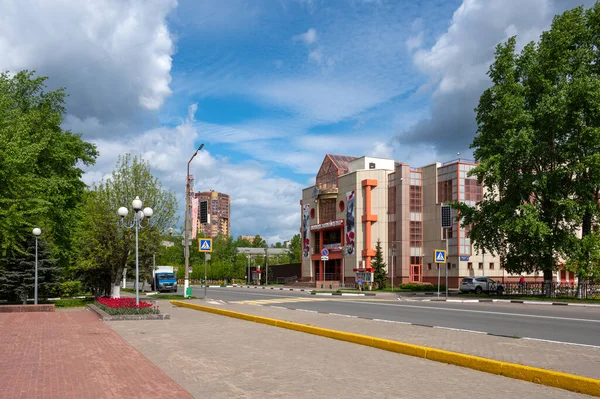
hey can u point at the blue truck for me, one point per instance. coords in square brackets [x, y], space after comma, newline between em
[164, 279]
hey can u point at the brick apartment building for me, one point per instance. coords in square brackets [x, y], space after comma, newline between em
[358, 200]
[219, 205]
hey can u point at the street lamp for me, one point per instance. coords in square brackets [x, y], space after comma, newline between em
[139, 215]
[36, 233]
[186, 248]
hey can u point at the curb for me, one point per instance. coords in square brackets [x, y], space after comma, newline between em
[108, 317]
[522, 302]
[570, 382]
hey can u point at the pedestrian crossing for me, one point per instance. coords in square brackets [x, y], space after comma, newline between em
[279, 300]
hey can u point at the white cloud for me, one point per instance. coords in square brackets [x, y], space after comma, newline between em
[308, 37]
[414, 42]
[456, 66]
[261, 203]
[114, 57]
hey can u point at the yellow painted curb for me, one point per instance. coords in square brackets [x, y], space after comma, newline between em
[570, 382]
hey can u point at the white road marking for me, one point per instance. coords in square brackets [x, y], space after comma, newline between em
[343, 315]
[479, 311]
[393, 321]
[561, 342]
[459, 329]
[307, 311]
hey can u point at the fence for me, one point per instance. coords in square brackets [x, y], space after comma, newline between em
[554, 290]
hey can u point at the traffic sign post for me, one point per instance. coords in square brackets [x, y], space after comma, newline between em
[324, 259]
[439, 257]
[205, 245]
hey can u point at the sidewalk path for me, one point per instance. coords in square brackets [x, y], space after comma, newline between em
[74, 355]
[572, 359]
[220, 357]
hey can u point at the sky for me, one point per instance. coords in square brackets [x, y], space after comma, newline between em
[268, 86]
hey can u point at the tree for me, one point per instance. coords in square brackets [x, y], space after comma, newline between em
[538, 148]
[380, 267]
[295, 247]
[104, 247]
[258, 242]
[40, 166]
[17, 280]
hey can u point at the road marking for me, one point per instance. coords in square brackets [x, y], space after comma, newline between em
[460, 329]
[561, 342]
[280, 300]
[481, 311]
[393, 321]
[343, 315]
[306, 310]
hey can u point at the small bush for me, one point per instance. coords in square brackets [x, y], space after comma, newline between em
[69, 289]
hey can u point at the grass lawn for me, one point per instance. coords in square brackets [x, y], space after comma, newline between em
[72, 303]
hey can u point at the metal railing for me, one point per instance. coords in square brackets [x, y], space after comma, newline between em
[328, 277]
[553, 289]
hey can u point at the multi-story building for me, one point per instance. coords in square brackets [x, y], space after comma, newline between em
[359, 201]
[249, 238]
[219, 211]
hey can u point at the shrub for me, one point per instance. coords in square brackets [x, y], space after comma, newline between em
[69, 288]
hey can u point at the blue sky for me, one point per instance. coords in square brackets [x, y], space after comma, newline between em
[269, 86]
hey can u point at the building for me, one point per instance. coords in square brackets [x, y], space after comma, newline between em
[249, 238]
[219, 211]
[359, 200]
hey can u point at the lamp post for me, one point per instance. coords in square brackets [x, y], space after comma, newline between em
[186, 248]
[36, 233]
[139, 215]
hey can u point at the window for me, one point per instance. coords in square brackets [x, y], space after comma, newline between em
[453, 266]
[480, 266]
[429, 266]
[470, 265]
[312, 213]
[341, 206]
[491, 266]
[371, 165]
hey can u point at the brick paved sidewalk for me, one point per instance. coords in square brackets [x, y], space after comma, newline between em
[578, 360]
[74, 355]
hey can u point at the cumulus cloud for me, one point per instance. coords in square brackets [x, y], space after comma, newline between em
[456, 66]
[113, 56]
[261, 203]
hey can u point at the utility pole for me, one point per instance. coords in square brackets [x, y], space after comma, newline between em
[187, 225]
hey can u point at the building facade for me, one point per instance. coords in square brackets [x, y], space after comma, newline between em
[219, 209]
[357, 201]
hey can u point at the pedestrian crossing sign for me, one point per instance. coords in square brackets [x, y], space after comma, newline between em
[439, 256]
[205, 245]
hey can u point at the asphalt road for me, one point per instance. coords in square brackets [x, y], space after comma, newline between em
[577, 325]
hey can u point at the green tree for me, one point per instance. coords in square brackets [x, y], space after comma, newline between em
[295, 247]
[40, 166]
[258, 242]
[105, 248]
[538, 148]
[17, 279]
[379, 265]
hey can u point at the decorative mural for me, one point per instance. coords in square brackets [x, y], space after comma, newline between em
[305, 231]
[350, 214]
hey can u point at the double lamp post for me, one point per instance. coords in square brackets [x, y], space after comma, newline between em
[139, 216]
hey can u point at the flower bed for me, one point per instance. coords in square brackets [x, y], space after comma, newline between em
[124, 306]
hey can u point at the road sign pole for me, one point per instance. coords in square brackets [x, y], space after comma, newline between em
[446, 264]
[205, 281]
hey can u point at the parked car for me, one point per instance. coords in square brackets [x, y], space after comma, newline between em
[481, 284]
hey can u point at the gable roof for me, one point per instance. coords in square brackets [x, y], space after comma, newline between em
[341, 162]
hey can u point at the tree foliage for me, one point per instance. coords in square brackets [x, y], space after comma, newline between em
[105, 248]
[538, 148]
[40, 174]
[379, 265]
[17, 277]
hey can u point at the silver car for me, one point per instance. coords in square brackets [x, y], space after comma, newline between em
[481, 284]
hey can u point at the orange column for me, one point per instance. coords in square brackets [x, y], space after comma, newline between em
[368, 218]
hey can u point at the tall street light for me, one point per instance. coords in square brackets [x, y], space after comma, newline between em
[139, 215]
[36, 233]
[186, 248]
